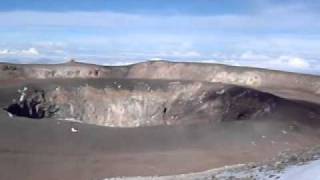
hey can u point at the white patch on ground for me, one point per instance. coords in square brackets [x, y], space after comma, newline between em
[10, 115]
[22, 93]
[69, 119]
[220, 92]
[74, 130]
[188, 176]
[310, 171]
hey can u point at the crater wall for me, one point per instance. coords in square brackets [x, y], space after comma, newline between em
[243, 76]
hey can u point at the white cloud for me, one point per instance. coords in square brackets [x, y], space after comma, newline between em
[156, 59]
[30, 51]
[272, 61]
[119, 63]
[298, 62]
[4, 52]
[179, 54]
[253, 56]
[192, 54]
[20, 53]
[290, 62]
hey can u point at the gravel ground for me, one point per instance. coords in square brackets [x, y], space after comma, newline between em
[285, 166]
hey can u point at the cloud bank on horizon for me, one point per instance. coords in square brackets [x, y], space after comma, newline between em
[273, 34]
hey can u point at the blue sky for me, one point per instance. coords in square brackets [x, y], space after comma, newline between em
[272, 34]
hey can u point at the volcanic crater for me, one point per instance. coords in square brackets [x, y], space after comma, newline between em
[151, 118]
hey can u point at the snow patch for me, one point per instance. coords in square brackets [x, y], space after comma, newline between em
[310, 171]
[74, 130]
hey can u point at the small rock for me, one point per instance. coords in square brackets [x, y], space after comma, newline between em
[271, 176]
[293, 158]
[279, 165]
[252, 165]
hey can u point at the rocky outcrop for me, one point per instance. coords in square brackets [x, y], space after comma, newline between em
[32, 104]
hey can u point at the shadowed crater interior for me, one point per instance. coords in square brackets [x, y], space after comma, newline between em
[118, 104]
[32, 105]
